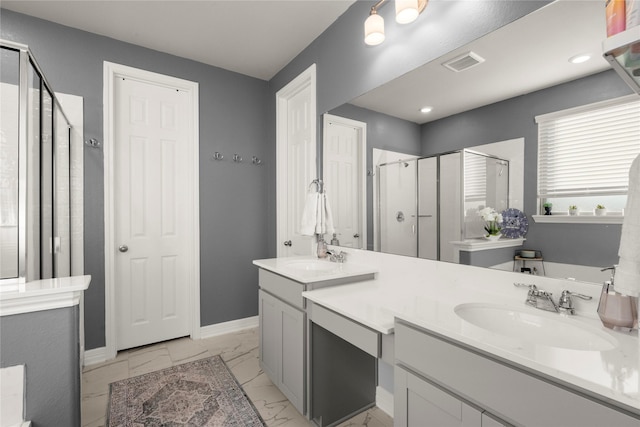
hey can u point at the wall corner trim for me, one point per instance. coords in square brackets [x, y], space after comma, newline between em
[228, 327]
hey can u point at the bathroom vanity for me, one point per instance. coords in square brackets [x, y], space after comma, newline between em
[284, 314]
[464, 349]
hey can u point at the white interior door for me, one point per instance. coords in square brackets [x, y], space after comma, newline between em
[296, 160]
[152, 212]
[343, 167]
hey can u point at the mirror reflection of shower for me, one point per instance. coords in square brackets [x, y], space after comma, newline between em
[425, 204]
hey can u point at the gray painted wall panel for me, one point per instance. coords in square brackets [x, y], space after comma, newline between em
[47, 343]
[580, 244]
[232, 196]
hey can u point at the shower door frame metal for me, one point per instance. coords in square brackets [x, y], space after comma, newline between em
[26, 58]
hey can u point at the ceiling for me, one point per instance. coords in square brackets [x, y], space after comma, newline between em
[527, 55]
[256, 38]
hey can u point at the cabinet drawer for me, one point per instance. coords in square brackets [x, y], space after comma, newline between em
[286, 289]
[362, 337]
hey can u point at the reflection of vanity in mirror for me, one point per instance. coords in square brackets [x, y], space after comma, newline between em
[492, 102]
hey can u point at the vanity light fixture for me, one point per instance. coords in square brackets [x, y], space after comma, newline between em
[374, 28]
[580, 58]
[426, 110]
[406, 11]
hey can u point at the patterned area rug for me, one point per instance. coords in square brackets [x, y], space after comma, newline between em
[195, 394]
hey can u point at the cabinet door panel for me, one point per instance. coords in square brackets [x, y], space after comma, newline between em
[270, 335]
[292, 366]
[427, 405]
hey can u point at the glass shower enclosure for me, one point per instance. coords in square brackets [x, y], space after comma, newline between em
[35, 219]
[427, 203]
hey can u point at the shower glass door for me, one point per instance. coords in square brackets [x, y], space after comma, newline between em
[398, 211]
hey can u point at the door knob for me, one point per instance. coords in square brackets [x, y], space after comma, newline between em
[287, 243]
[123, 248]
[356, 235]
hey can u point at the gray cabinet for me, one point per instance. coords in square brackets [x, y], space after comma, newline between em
[501, 390]
[283, 331]
[419, 403]
[282, 337]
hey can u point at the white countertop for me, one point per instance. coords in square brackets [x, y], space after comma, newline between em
[44, 294]
[425, 293]
[308, 269]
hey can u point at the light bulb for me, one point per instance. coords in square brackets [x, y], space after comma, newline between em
[374, 29]
[406, 11]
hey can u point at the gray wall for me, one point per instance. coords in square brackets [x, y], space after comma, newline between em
[233, 225]
[580, 244]
[47, 343]
[386, 133]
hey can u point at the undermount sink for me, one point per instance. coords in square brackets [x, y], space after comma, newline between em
[312, 265]
[544, 329]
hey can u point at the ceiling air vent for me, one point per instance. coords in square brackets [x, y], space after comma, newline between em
[464, 62]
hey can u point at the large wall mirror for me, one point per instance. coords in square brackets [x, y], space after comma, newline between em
[471, 92]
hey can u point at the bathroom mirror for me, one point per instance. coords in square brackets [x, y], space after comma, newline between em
[511, 62]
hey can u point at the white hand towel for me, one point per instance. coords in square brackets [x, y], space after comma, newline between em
[627, 279]
[328, 216]
[310, 214]
[320, 214]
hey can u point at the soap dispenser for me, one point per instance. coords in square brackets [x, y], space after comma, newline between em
[615, 309]
[334, 240]
[322, 248]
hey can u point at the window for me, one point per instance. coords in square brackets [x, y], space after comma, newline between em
[584, 155]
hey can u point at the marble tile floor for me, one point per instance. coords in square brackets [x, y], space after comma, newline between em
[239, 350]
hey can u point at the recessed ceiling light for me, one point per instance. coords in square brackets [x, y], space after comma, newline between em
[579, 59]
[426, 109]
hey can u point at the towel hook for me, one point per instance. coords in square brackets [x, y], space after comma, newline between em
[217, 156]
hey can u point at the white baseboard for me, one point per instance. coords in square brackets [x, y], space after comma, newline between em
[95, 355]
[99, 355]
[384, 400]
[228, 327]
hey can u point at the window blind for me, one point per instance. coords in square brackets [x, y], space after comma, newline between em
[475, 177]
[588, 150]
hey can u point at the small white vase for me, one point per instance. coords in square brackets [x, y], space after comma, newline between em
[492, 237]
[601, 212]
[573, 212]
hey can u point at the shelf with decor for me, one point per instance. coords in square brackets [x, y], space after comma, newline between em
[622, 51]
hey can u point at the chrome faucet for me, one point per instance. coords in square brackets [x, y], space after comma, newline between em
[566, 304]
[543, 300]
[337, 257]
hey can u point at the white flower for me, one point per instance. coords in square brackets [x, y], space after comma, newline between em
[490, 214]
